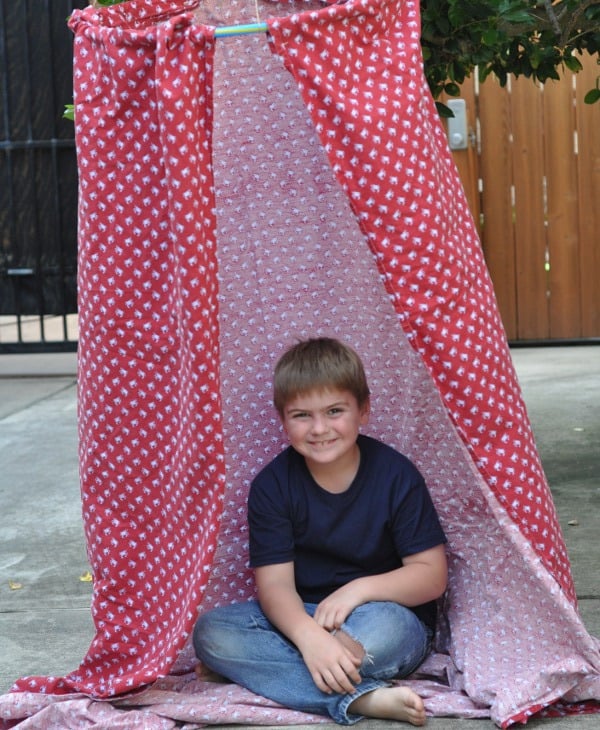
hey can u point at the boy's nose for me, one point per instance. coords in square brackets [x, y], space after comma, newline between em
[319, 424]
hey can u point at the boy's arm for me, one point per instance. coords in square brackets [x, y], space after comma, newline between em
[332, 666]
[422, 578]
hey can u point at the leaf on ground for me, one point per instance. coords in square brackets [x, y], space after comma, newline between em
[14, 585]
[86, 577]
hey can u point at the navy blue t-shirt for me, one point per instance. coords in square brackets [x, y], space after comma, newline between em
[383, 516]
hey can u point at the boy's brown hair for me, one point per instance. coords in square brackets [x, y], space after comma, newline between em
[317, 364]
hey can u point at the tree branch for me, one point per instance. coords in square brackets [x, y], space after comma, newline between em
[557, 18]
[574, 20]
[552, 18]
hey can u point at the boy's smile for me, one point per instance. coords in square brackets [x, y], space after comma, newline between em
[322, 426]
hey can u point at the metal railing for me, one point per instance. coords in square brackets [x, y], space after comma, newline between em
[38, 179]
[38, 333]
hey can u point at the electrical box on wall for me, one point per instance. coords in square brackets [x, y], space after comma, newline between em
[457, 125]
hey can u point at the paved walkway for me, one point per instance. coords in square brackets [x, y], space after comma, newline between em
[45, 624]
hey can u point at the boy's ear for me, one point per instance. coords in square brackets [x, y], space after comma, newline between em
[365, 412]
[281, 421]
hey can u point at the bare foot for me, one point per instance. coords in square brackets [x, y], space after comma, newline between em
[391, 703]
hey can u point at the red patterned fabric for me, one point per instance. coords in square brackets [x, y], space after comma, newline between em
[236, 194]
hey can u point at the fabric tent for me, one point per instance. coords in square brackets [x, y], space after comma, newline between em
[237, 193]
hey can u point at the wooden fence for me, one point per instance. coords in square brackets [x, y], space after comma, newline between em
[532, 177]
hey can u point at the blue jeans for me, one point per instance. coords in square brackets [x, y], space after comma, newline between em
[239, 642]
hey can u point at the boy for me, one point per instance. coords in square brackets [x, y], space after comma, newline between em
[348, 555]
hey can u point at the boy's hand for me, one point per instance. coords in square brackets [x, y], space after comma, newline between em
[335, 609]
[332, 664]
[333, 667]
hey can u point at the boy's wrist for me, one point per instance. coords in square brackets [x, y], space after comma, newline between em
[306, 632]
[361, 591]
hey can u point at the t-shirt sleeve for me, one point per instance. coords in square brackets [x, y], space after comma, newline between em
[269, 521]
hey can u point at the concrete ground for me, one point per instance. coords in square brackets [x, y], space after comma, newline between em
[45, 624]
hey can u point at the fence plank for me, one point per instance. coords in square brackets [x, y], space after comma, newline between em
[562, 212]
[498, 236]
[528, 180]
[588, 125]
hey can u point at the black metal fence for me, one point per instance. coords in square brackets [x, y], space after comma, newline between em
[38, 178]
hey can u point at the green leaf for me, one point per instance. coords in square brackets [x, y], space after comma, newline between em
[513, 11]
[484, 72]
[452, 89]
[592, 96]
[520, 17]
[551, 73]
[535, 59]
[443, 25]
[572, 63]
[490, 37]
[69, 112]
[444, 111]
[456, 15]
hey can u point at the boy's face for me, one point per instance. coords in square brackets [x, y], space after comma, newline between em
[323, 425]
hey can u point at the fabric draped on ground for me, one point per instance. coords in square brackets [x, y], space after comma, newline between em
[235, 195]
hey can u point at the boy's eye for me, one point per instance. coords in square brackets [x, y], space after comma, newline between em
[300, 415]
[335, 411]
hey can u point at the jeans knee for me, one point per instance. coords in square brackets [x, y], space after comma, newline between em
[226, 633]
[394, 639]
[208, 635]
[200, 631]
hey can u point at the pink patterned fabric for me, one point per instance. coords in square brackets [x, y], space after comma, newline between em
[236, 194]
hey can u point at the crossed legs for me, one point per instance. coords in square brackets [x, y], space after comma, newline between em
[241, 644]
